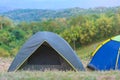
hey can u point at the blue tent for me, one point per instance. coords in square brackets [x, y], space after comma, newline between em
[107, 55]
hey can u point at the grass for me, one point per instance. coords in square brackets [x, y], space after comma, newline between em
[84, 53]
[58, 75]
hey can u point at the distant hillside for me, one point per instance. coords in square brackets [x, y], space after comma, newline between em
[39, 14]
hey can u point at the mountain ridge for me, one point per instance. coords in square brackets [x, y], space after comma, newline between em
[39, 14]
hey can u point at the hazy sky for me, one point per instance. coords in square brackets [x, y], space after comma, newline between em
[58, 4]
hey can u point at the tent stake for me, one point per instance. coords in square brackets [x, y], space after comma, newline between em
[118, 55]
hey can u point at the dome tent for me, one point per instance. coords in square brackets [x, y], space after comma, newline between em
[107, 55]
[46, 50]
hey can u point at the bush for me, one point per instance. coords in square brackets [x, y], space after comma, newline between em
[4, 53]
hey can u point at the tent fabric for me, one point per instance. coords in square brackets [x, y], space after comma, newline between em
[105, 56]
[116, 38]
[45, 58]
[100, 46]
[44, 55]
[56, 42]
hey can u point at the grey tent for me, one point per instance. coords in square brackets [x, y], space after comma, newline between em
[46, 50]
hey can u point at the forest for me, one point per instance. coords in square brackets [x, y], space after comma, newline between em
[79, 30]
[29, 15]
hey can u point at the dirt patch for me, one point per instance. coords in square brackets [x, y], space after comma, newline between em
[85, 63]
[4, 64]
[106, 78]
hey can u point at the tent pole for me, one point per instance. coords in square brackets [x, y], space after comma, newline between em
[74, 45]
[118, 55]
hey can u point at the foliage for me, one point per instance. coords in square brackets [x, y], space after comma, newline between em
[29, 15]
[77, 31]
[4, 53]
[85, 30]
[5, 22]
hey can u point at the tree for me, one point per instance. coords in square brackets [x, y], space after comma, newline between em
[104, 26]
[5, 22]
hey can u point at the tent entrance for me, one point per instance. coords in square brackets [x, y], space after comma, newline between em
[45, 58]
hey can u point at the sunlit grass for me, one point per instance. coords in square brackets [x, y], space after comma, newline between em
[60, 75]
[86, 51]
